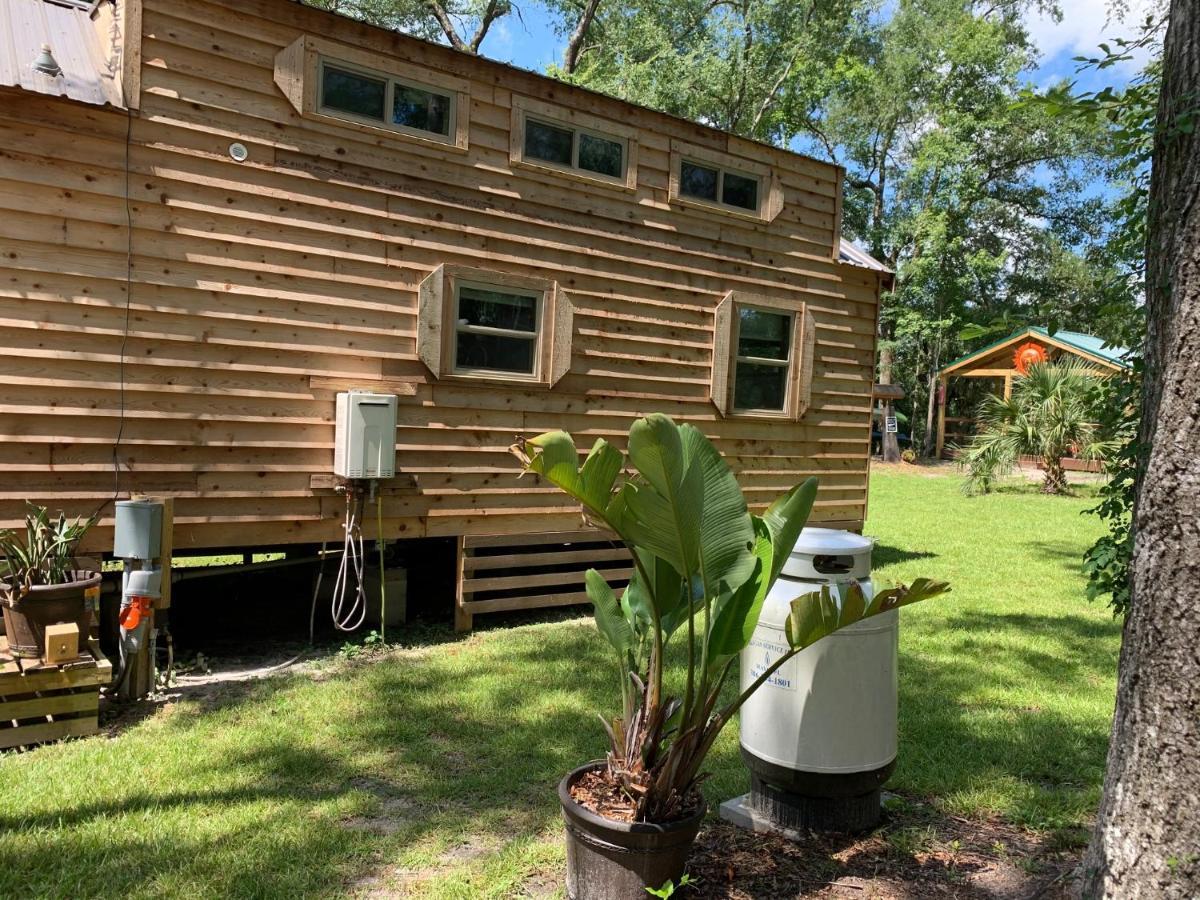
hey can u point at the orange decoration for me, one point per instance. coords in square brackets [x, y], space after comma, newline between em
[1028, 354]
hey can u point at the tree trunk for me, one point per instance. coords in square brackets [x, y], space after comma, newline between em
[889, 443]
[1055, 480]
[1147, 837]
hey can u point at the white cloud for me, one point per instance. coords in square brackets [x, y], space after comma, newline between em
[1085, 25]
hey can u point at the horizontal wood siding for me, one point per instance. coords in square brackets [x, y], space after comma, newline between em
[260, 289]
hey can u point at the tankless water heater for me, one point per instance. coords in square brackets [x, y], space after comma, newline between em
[365, 435]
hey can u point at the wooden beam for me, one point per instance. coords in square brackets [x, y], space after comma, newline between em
[462, 615]
[943, 387]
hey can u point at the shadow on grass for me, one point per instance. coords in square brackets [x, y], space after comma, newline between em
[963, 728]
[886, 555]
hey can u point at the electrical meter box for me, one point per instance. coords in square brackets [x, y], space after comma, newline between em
[365, 438]
[137, 530]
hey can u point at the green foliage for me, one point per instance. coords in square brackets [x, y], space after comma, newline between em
[669, 888]
[1051, 414]
[45, 553]
[699, 554]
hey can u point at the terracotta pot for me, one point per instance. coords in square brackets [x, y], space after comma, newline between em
[25, 620]
[609, 860]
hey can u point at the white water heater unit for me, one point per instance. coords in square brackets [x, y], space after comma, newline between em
[365, 435]
[819, 736]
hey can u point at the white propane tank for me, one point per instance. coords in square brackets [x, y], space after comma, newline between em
[819, 736]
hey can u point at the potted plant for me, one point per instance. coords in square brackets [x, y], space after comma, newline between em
[703, 565]
[42, 584]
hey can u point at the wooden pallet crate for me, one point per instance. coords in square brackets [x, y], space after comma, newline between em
[533, 571]
[40, 702]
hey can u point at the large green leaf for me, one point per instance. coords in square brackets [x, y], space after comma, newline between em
[785, 519]
[820, 613]
[735, 616]
[665, 591]
[687, 507]
[610, 620]
[553, 456]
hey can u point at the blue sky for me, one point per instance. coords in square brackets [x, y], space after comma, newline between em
[530, 40]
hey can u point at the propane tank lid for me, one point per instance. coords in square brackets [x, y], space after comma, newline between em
[829, 554]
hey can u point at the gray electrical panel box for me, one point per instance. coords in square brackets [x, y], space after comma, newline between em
[365, 436]
[137, 532]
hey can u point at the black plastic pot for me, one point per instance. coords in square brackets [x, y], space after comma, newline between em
[609, 860]
[25, 620]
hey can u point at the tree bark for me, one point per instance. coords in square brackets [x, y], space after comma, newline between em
[1147, 837]
[578, 36]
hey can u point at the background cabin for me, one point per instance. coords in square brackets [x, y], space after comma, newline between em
[991, 369]
[218, 214]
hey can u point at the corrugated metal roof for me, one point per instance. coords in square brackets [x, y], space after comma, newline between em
[1083, 344]
[66, 25]
[850, 252]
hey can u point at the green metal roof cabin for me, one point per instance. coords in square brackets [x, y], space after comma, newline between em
[999, 360]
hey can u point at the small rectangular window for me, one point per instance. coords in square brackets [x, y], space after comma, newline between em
[378, 98]
[597, 154]
[414, 107]
[720, 186]
[573, 148]
[739, 190]
[698, 181]
[763, 360]
[353, 93]
[548, 142]
[496, 329]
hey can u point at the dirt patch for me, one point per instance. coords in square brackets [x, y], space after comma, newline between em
[916, 854]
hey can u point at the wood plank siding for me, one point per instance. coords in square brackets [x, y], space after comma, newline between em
[261, 288]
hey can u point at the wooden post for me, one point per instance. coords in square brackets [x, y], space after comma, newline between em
[943, 388]
[1008, 386]
[462, 616]
[166, 550]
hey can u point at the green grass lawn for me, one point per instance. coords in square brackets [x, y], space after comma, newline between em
[431, 772]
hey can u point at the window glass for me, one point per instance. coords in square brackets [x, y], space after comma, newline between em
[698, 181]
[597, 154]
[353, 93]
[496, 352]
[495, 309]
[740, 190]
[548, 143]
[763, 335]
[423, 110]
[760, 386]
[496, 330]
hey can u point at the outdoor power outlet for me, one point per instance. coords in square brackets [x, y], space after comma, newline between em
[62, 642]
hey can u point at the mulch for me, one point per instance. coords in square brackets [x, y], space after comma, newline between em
[915, 853]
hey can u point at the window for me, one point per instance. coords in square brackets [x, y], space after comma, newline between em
[763, 350]
[718, 185]
[760, 374]
[574, 149]
[573, 144]
[385, 100]
[477, 324]
[723, 183]
[496, 330]
[362, 90]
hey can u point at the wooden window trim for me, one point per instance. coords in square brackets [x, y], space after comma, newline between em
[770, 188]
[527, 107]
[437, 328]
[725, 355]
[298, 75]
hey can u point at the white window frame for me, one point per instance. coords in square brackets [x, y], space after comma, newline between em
[299, 75]
[786, 364]
[721, 173]
[727, 327]
[770, 187]
[577, 122]
[389, 96]
[576, 131]
[536, 337]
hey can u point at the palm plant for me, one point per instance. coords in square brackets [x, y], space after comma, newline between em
[703, 565]
[1049, 415]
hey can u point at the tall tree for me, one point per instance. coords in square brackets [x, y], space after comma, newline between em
[1147, 837]
[461, 23]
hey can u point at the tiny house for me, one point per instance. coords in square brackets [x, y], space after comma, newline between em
[218, 215]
